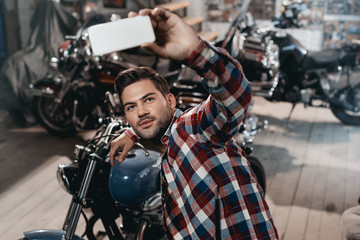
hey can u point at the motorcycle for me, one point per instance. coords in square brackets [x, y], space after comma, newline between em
[281, 69]
[129, 191]
[330, 76]
[72, 98]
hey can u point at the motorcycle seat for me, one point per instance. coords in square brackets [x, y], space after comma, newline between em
[327, 59]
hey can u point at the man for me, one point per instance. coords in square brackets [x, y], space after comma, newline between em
[208, 188]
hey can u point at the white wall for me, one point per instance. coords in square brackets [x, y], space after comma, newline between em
[311, 38]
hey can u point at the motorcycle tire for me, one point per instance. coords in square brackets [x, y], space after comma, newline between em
[349, 97]
[259, 171]
[58, 123]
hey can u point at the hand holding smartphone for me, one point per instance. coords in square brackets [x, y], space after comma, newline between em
[122, 34]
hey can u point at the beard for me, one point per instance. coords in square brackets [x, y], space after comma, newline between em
[158, 129]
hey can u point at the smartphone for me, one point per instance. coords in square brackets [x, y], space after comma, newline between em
[119, 35]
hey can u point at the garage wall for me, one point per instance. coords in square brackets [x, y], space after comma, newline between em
[25, 11]
[310, 38]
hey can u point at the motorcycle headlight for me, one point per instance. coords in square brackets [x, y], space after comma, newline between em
[67, 177]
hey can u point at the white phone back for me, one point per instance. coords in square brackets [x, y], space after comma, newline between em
[122, 34]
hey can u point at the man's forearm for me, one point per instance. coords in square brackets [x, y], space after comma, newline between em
[222, 75]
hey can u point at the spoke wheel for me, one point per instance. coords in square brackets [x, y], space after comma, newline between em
[55, 117]
[346, 99]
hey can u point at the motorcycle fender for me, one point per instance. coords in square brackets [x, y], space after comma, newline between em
[47, 234]
[37, 88]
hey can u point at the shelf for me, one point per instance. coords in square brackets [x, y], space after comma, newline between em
[174, 6]
[193, 20]
[208, 35]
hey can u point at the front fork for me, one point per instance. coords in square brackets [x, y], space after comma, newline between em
[74, 212]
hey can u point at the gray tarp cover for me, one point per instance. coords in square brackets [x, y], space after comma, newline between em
[49, 25]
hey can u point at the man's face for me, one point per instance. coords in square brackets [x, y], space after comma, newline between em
[147, 111]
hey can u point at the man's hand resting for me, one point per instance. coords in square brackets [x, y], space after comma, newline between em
[123, 143]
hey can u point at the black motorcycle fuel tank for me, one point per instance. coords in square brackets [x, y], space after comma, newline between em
[291, 50]
[136, 179]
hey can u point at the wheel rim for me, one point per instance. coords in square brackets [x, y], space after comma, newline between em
[344, 100]
[59, 120]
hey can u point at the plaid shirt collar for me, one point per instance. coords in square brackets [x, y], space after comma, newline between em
[166, 136]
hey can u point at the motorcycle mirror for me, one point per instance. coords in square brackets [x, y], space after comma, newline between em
[109, 98]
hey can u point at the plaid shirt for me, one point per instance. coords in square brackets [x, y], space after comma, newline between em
[209, 190]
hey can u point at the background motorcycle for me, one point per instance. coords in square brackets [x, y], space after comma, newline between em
[73, 96]
[129, 191]
[281, 69]
[331, 76]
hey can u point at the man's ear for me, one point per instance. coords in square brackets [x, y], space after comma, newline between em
[172, 101]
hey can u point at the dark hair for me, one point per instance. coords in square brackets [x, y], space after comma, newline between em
[133, 75]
